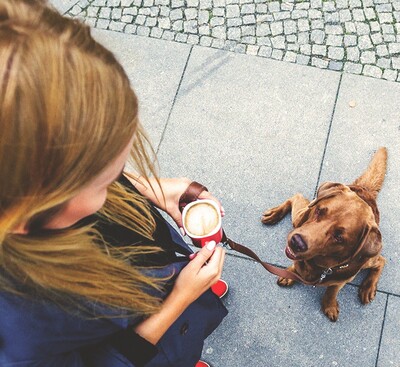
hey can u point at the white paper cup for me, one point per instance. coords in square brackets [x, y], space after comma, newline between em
[202, 222]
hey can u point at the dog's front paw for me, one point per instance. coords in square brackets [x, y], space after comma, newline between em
[331, 311]
[284, 282]
[367, 293]
[272, 216]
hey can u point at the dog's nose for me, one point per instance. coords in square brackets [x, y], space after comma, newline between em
[298, 244]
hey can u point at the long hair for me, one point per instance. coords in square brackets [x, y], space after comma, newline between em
[66, 111]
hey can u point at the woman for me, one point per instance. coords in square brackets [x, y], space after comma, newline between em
[90, 273]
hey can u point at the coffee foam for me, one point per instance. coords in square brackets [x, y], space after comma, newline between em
[201, 219]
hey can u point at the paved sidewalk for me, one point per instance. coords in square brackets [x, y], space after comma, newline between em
[256, 131]
[356, 36]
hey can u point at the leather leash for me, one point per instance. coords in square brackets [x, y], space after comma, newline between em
[192, 193]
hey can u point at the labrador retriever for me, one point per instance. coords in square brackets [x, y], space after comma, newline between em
[336, 235]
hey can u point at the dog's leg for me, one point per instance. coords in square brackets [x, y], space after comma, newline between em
[284, 282]
[369, 285]
[330, 305]
[274, 215]
[297, 204]
[372, 178]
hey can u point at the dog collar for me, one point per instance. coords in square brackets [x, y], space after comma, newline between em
[329, 271]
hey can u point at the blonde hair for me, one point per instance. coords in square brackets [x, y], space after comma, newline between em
[66, 111]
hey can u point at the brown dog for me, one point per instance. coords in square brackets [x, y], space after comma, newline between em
[336, 235]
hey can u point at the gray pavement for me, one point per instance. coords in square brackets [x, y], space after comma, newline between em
[354, 36]
[256, 131]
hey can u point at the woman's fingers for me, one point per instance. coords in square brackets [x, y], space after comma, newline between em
[201, 272]
[216, 262]
[209, 261]
[204, 254]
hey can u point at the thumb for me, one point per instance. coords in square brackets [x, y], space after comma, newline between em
[204, 254]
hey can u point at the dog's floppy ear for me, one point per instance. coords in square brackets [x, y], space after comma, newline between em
[371, 242]
[327, 190]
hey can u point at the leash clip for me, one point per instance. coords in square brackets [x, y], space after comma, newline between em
[225, 244]
[324, 274]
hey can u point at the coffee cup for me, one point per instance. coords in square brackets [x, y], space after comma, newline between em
[202, 222]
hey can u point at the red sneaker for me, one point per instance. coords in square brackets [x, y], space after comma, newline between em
[220, 288]
[202, 364]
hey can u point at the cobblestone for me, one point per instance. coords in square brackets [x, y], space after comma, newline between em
[351, 36]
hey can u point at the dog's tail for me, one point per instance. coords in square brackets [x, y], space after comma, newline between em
[372, 178]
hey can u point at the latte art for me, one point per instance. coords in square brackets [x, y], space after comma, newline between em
[201, 219]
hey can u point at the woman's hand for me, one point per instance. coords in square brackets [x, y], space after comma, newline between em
[172, 188]
[200, 274]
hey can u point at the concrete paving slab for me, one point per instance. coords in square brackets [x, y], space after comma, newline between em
[252, 130]
[155, 68]
[274, 327]
[389, 355]
[355, 134]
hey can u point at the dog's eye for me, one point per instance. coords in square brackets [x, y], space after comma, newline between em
[319, 212]
[338, 235]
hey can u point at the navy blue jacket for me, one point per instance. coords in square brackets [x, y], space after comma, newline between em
[41, 334]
